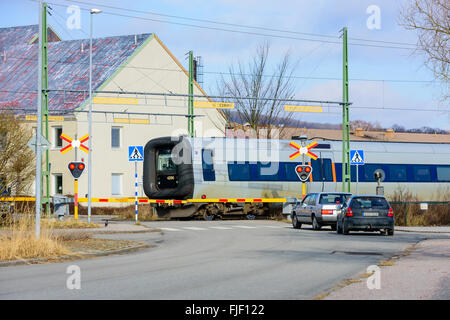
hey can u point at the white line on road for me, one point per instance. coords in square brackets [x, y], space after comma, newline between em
[245, 227]
[221, 228]
[194, 228]
[170, 229]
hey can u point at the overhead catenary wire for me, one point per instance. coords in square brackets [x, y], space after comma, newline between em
[330, 104]
[243, 32]
[237, 25]
[235, 73]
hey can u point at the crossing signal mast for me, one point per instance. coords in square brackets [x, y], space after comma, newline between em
[76, 168]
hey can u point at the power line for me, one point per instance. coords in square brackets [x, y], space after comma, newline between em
[234, 73]
[242, 32]
[331, 104]
[239, 25]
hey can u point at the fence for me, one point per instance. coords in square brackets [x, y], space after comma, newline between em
[421, 213]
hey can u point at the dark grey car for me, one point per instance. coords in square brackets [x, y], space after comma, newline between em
[319, 209]
[366, 213]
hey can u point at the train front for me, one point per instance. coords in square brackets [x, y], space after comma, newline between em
[169, 175]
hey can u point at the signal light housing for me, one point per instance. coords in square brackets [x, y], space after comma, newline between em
[303, 172]
[76, 168]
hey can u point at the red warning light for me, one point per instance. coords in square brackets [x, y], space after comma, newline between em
[72, 166]
[203, 196]
[299, 169]
[308, 169]
[81, 166]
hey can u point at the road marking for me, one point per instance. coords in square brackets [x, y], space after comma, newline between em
[245, 227]
[221, 228]
[194, 228]
[170, 229]
[275, 227]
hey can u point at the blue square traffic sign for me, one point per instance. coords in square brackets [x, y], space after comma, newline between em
[356, 156]
[135, 153]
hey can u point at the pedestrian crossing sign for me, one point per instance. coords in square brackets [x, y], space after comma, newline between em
[357, 156]
[135, 153]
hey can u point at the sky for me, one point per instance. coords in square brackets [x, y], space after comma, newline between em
[382, 79]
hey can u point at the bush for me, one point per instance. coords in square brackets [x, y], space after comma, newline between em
[405, 203]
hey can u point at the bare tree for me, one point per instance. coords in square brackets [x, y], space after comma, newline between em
[16, 159]
[253, 81]
[431, 19]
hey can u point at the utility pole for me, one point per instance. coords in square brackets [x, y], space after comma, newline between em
[38, 133]
[45, 174]
[191, 93]
[346, 179]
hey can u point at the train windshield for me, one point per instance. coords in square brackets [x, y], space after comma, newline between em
[165, 162]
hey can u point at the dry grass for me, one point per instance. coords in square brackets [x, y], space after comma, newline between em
[386, 263]
[437, 213]
[52, 223]
[19, 242]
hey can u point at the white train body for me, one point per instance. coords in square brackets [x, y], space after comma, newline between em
[254, 168]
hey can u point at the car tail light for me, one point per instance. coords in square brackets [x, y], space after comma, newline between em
[327, 211]
[349, 212]
[391, 212]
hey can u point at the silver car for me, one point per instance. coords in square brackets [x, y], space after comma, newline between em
[319, 209]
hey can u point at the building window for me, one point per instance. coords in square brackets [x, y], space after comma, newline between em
[57, 141]
[115, 137]
[58, 183]
[116, 184]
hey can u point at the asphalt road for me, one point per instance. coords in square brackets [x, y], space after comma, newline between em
[213, 260]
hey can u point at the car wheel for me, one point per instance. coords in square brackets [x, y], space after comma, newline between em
[338, 229]
[315, 224]
[345, 228]
[295, 223]
[390, 232]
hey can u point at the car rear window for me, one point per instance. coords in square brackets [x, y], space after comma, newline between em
[369, 202]
[333, 198]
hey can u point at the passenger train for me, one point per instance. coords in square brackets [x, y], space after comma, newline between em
[183, 168]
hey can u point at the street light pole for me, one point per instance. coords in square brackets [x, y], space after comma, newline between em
[38, 132]
[92, 12]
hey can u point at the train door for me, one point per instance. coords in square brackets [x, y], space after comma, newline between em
[323, 174]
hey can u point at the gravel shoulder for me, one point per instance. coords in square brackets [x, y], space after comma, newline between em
[419, 274]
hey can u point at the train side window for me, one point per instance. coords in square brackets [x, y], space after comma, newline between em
[369, 170]
[208, 165]
[290, 173]
[268, 171]
[397, 173]
[239, 171]
[421, 173]
[443, 173]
